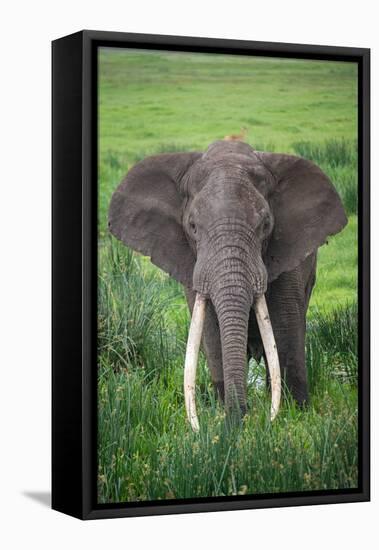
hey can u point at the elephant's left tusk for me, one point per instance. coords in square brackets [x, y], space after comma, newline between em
[267, 335]
[192, 354]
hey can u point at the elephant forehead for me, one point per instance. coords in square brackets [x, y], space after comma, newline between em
[230, 174]
[222, 148]
[236, 199]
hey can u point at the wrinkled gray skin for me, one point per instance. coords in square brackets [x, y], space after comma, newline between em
[233, 223]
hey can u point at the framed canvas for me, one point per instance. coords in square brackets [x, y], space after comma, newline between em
[210, 275]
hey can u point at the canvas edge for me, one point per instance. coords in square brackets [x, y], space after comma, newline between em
[84, 501]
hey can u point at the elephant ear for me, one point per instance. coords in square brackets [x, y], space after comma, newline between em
[306, 208]
[145, 213]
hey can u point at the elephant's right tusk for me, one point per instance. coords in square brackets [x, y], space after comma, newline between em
[192, 354]
[267, 335]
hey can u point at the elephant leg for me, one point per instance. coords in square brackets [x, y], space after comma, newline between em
[211, 344]
[287, 301]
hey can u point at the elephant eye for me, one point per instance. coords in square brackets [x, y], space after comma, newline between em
[193, 227]
[266, 225]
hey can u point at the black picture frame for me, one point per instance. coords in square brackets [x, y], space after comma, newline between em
[74, 206]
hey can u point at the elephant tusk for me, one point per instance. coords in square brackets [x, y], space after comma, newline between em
[192, 353]
[265, 328]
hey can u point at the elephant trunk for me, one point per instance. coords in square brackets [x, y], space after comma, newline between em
[232, 303]
[236, 386]
[235, 280]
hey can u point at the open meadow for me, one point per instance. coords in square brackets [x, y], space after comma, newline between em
[152, 102]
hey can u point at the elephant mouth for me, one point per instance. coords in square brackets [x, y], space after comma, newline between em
[192, 353]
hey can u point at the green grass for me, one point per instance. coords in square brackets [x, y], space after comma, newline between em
[164, 102]
[148, 452]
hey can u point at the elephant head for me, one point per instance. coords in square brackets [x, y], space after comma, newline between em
[226, 223]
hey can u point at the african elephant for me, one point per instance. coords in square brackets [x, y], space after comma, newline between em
[240, 230]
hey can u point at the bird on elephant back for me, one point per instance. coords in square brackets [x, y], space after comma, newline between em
[240, 230]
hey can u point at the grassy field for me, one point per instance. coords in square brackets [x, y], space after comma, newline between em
[158, 102]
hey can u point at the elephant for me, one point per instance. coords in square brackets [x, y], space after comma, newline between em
[240, 230]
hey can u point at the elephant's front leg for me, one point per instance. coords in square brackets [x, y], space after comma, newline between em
[211, 344]
[287, 307]
[291, 351]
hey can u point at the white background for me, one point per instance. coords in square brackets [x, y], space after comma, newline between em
[26, 31]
